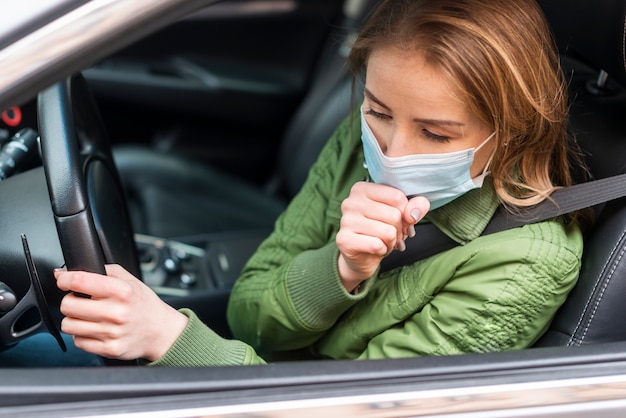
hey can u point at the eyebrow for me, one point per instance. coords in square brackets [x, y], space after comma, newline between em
[443, 122]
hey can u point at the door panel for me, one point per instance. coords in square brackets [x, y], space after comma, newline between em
[219, 85]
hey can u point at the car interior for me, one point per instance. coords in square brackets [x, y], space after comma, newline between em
[593, 60]
[212, 139]
[595, 79]
[172, 196]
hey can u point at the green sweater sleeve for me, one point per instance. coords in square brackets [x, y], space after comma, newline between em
[290, 291]
[502, 294]
[199, 346]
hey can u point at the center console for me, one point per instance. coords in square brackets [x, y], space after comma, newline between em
[197, 272]
[200, 264]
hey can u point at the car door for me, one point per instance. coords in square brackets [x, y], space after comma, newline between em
[219, 85]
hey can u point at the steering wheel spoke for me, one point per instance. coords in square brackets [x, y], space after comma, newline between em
[85, 191]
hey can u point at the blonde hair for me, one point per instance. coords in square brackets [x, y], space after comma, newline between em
[502, 57]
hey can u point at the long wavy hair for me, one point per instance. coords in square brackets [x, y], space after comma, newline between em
[504, 61]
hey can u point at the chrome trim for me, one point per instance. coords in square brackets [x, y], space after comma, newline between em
[162, 242]
[245, 8]
[543, 398]
[98, 27]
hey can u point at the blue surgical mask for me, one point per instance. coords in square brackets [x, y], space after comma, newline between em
[440, 178]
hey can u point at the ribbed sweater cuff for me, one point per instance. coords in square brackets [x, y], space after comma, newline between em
[198, 346]
[315, 288]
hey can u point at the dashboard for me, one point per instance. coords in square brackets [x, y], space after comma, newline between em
[19, 150]
[16, 118]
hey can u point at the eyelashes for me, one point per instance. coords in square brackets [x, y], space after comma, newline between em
[435, 137]
[425, 132]
[376, 114]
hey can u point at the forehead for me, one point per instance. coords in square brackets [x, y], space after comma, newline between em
[402, 78]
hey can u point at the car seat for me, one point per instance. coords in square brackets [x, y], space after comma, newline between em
[592, 43]
[172, 196]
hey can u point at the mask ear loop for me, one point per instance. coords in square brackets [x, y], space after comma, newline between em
[484, 142]
[479, 179]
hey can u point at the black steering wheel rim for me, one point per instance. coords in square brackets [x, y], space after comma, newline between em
[86, 195]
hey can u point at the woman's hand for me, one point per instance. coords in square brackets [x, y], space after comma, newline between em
[123, 319]
[376, 219]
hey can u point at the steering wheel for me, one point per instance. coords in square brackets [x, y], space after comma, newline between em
[87, 209]
[85, 191]
[86, 196]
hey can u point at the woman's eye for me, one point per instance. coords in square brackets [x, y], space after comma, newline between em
[435, 137]
[376, 114]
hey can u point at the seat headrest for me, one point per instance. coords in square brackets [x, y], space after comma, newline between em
[591, 30]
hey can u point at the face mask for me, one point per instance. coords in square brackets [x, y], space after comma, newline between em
[440, 178]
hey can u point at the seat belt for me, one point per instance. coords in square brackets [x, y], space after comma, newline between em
[430, 240]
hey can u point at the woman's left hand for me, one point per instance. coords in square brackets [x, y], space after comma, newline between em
[122, 319]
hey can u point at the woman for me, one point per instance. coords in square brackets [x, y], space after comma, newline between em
[464, 110]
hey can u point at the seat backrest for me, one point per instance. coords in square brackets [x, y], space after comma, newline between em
[325, 107]
[591, 40]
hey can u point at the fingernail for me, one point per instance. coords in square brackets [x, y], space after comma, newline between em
[416, 214]
[411, 231]
[401, 246]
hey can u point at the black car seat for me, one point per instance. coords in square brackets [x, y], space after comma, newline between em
[592, 43]
[171, 196]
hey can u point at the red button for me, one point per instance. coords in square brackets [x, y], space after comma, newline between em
[12, 117]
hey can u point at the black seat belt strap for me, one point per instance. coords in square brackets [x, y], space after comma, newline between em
[562, 201]
[430, 240]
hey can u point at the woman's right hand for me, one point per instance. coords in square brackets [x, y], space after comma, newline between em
[375, 220]
[122, 319]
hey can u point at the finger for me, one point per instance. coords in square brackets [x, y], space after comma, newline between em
[381, 193]
[369, 217]
[383, 231]
[94, 310]
[394, 201]
[88, 344]
[372, 209]
[85, 328]
[354, 244]
[96, 285]
[58, 269]
[415, 210]
[115, 270]
[105, 348]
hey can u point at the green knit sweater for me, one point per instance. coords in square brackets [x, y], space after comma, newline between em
[494, 292]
